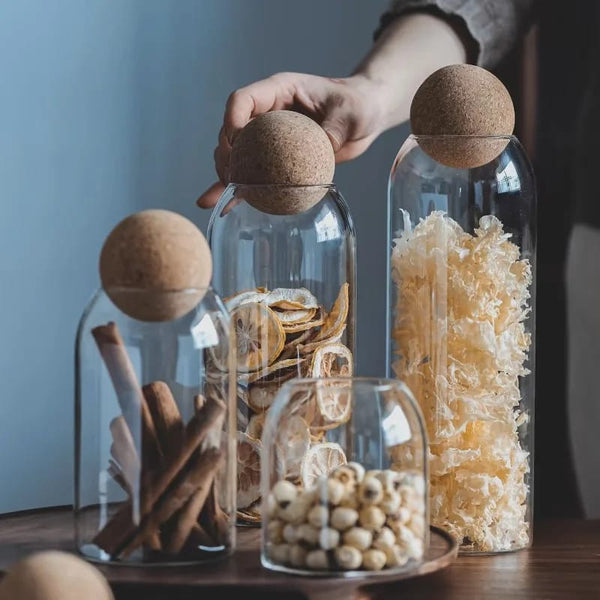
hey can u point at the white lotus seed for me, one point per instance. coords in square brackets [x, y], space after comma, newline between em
[417, 525]
[358, 469]
[390, 503]
[384, 539]
[343, 518]
[372, 518]
[318, 516]
[329, 538]
[345, 475]
[309, 534]
[317, 559]
[295, 511]
[350, 500]
[298, 555]
[290, 533]
[280, 553]
[335, 491]
[403, 515]
[348, 557]
[395, 556]
[374, 560]
[275, 531]
[358, 537]
[284, 492]
[271, 506]
[370, 490]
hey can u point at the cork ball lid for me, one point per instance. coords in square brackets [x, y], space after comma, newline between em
[462, 100]
[282, 148]
[155, 265]
[54, 575]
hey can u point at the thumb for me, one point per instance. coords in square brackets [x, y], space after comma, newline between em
[337, 128]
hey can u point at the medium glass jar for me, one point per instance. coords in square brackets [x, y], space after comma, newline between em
[155, 462]
[344, 472]
[461, 330]
[288, 281]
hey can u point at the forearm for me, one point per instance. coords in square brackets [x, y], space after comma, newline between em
[409, 50]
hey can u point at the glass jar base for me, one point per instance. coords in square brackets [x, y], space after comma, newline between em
[93, 554]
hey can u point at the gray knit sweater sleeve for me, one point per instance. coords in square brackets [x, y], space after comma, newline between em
[495, 25]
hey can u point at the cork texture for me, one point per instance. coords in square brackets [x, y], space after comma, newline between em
[462, 100]
[282, 148]
[148, 261]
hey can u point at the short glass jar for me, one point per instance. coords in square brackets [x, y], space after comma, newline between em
[155, 462]
[346, 495]
[461, 329]
[284, 262]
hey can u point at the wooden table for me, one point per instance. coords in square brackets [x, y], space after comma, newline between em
[564, 563]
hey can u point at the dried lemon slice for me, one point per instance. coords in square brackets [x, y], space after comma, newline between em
[259, 336]
[244, 297]
[294, 445]
[261, 395]
[291, 299]
[336, 319]
[316, 321]
[255, 426]
[278, 370]
[294, 317]
[308, 347]
[321, 459]
[331, 360]
[248, 478]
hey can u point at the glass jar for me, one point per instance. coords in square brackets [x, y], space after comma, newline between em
[344, 472]
[461, 330]
[155, 462]
[288, 281]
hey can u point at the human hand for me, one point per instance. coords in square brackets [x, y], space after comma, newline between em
[350, 110]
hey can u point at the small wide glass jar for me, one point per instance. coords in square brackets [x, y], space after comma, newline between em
[344, 478]
[461, 330]
[284, 262]
[155, 463]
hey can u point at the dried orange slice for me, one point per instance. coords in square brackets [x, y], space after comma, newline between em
[248, 478]
[331, 360]
[281, 370]
[336, 319]
[291, 299]
[316, 321]
[311, 346]
[255, 426]
[321, 459]
[259, 336]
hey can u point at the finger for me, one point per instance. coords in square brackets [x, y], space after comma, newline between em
[209, 198]
[273, 93]
[337, 128]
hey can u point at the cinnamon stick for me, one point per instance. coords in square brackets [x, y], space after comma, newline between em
[166, 417]
[124, 452]
[115, 472]
[213, 518]
[197, 479]
[121, 527]
[129, 394]
[188, 515]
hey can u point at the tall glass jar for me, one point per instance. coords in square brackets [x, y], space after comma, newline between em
[155, 462]
[355, 502]
[461, 330]
[288, 281]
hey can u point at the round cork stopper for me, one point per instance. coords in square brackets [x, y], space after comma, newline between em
[54, 576]
[282, 148]
[462, 100]
[155, 265]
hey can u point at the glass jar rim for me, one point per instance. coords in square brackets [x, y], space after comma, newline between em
[329, 186]
[450, 136]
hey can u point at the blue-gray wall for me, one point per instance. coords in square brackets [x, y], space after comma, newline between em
[110, 106]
